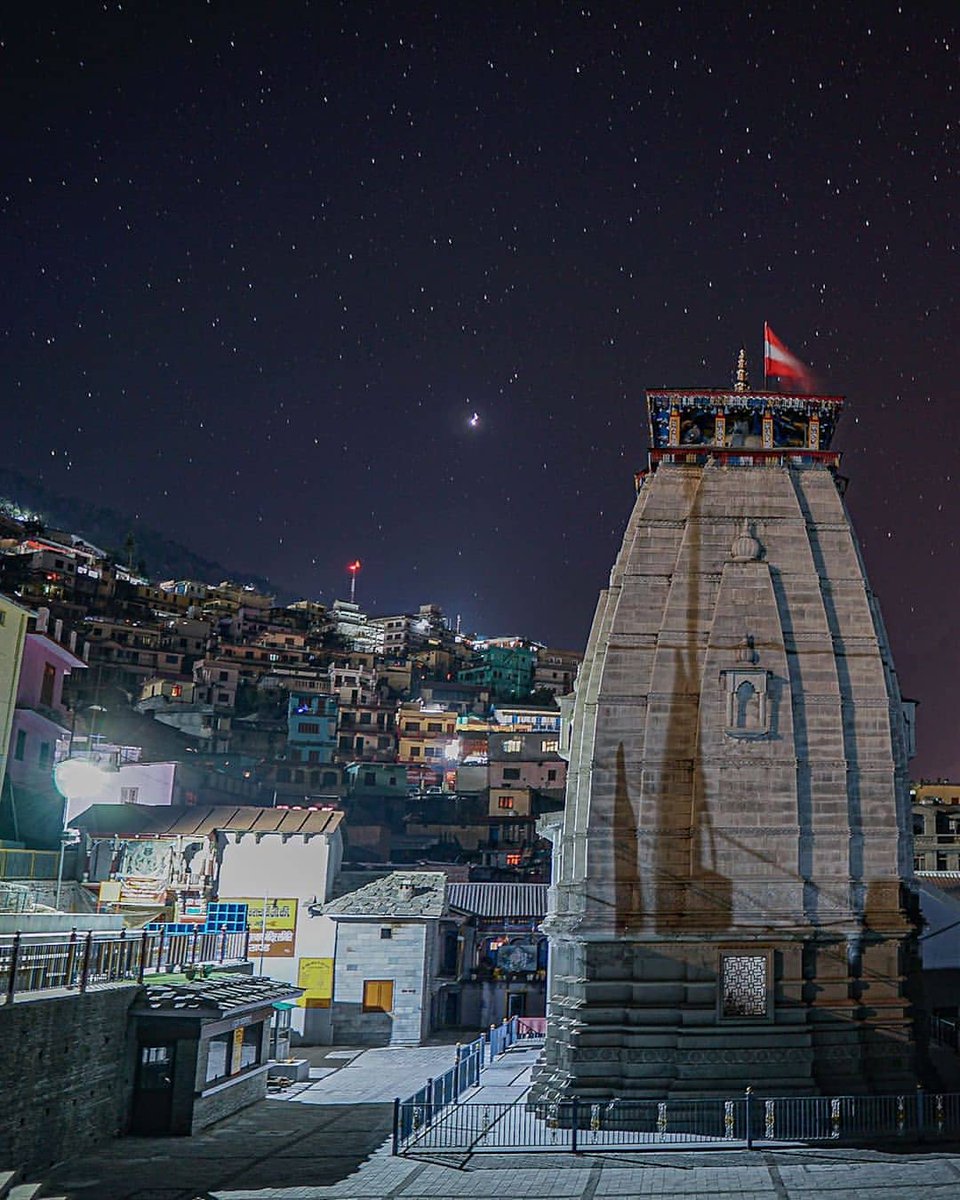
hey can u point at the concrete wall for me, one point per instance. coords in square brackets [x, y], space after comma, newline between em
[286, 867]
[66, 1075]
[154, 783]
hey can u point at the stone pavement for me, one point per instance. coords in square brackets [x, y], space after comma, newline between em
[371, 1076]
[319, 1145]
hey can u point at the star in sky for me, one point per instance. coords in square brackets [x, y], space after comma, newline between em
[242, 282]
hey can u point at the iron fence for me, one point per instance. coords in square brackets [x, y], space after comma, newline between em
[582, 1126]
[426, 1106]
[79, 961]
[438, 1093]
[513, 1029]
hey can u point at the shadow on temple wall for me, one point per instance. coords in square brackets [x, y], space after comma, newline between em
[688, 888]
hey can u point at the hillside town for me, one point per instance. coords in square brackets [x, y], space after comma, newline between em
[183, 757]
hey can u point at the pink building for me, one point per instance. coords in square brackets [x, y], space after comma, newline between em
[41, 731]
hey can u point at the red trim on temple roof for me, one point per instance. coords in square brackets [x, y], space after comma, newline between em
[732, 397]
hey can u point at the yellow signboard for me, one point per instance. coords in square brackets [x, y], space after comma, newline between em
[315, 976]
[274, 937]
[236, 1057]
[110, 891]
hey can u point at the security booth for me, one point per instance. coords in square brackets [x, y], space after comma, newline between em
[202, 1049]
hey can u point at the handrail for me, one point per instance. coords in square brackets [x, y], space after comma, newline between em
[81, 961]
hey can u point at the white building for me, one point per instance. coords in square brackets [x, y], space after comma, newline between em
[294, 868]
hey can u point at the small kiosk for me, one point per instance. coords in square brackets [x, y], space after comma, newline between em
[202, 1049]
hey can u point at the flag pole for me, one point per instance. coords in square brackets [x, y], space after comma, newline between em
[765, 356]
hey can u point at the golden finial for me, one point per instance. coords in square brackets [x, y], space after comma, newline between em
[741, 382]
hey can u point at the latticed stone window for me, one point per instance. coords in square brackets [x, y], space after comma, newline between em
[743, 985]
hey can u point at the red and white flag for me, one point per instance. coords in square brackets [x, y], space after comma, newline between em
[779, 362]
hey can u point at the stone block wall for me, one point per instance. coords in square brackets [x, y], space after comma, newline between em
[363, 954]
[66, 1075]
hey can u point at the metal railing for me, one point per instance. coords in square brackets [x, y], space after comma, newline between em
[426, 1106]
[437, 1094]
[31, 963]
[576, 1125]
[513, 1029]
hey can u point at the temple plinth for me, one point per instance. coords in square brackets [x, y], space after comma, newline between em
[726, 907]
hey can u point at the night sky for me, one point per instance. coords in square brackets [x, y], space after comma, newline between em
[264, 262]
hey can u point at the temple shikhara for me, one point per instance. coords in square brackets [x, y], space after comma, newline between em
[727, 907]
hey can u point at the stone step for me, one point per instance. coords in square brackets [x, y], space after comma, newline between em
[6, 1183]
[24, 1191]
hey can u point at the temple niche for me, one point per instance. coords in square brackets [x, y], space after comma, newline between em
[726, 907]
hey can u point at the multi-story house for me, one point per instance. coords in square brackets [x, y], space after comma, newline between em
[555, 670]
[936, 831]
[216, 680]
[309, 762]
[527, 718]
[527, 760]
[41, 730]
[189, 636]
[506, 671]
[127, 653]
[367, 732]
[352, 685]
[428, 741]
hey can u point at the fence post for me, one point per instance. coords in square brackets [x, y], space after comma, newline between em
[143, 955]
[193, 948]
[71, 959]
[429, 1104]
[14, 964]
[223, 944]
[921, 1118]
[748, 1116]
[85, 969]
[160, 948]
[395, 1147]
[574, 1123]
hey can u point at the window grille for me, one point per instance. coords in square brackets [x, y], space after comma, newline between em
[743, 982]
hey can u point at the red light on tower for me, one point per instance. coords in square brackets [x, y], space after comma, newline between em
[352, 569]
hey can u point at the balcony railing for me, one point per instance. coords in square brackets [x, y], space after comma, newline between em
[31, 963]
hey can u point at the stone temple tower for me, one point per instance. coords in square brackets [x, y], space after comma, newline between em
[727, 907]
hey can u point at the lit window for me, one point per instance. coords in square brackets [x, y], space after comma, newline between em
[513, 746]
[506, 802]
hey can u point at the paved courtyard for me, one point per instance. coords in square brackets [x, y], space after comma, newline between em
[328, 1139]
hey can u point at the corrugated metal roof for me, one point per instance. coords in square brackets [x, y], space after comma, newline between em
[499, 899]
[127, 820]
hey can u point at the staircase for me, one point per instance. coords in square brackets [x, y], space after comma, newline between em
[11, 1190]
